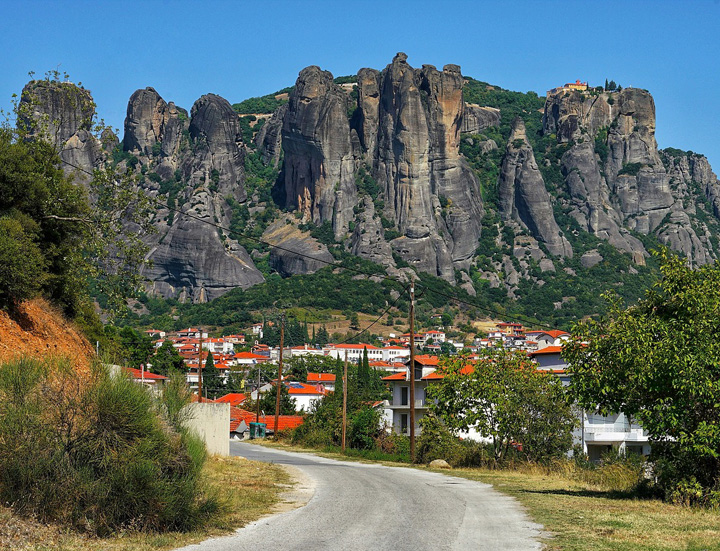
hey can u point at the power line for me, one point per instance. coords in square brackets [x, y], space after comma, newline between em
[333, 263]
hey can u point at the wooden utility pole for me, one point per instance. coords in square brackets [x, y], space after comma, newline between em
[200, 369]
[344, 425]
[412, 372]
[257, 396]
[279, 382]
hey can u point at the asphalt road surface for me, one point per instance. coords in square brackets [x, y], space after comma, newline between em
[354, 506]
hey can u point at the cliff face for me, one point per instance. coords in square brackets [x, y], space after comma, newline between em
[200, 162]
[402, 127]
[522, 194]
[614, 173]
[62, 113]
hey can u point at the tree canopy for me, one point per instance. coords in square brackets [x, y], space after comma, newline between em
[57, 233]
[506, 398]
[659, 362]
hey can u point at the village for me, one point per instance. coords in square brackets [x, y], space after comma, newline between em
[238, 354]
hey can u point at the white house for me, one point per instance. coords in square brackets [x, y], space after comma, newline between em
[392, 354]
[354, 351]
[596, 433]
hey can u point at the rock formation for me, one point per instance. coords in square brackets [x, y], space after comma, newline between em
[613, 170]
[63, 114]
[202, 159]
[405, 127]
[522, 193]
[319, 158]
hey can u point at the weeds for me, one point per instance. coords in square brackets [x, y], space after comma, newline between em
[96, 453]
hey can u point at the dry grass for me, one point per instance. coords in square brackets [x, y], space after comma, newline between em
[583, 517]
[248, 489]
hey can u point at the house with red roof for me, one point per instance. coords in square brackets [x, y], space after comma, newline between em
[552, 337]
[305, 395]
[250, 358]
[144, 377]
[326, 380]
[232, 398]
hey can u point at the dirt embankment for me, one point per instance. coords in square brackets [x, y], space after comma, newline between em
[38, 330]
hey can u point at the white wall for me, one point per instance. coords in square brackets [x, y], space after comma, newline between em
[211, 422]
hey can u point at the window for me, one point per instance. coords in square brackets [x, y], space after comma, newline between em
[404, 396]
[403, 423]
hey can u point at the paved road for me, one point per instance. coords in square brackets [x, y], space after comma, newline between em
[357, 506]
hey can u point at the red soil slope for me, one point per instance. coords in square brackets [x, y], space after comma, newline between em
[38, 330]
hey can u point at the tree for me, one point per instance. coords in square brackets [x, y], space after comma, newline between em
[322, 337]
[74, 231]
[213, 384]
[657, 362]
[137, 347]
[166, 360]
[506, 398]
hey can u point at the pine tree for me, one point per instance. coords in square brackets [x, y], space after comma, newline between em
[364, 373]
[606, 84]
[213, 385]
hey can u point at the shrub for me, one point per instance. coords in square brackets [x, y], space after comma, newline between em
[94, 453]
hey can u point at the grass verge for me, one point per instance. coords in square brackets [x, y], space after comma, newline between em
[581, 516]
[247, 489]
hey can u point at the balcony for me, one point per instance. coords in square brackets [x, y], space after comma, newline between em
[418, 404]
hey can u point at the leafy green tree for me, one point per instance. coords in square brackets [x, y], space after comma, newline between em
[137, 347]
[22, 266]
[657, 362]
[68, 236]
[507, 399]
[167, 359]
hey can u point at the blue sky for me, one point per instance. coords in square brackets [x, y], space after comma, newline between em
[241, 49]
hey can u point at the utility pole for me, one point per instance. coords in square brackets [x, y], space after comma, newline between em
[200, 368]
[412, 372]
[280, 366]
[257, 396]
[344, 425]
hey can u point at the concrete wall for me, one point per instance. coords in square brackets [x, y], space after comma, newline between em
[211, 422]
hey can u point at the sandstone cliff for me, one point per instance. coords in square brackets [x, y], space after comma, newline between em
[403, 125]
[614, 173]
[197, 164]
[522, 194]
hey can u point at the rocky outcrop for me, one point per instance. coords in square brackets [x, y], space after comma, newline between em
[218, 156]
[522, 194]
[319, 158]
[269, 138]
[614, 173]
[294, 252]
[476, 118]
[63, 114]
[404, 126]
[368, 239]
[190, 262]
[203, 158]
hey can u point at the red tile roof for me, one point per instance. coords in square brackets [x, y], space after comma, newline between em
[321, 377]
[302, 388]
[425, 359]
[284, 421]
[396, 377]
[250, 356]
[546, 350]
[137, 374]
[354, 346]
[233, 398]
